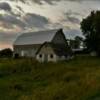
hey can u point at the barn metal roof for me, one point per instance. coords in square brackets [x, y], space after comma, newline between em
[35, 37]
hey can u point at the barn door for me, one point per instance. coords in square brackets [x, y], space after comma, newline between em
[46, 58]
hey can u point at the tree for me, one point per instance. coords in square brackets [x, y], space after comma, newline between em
[78, 41]
[6, 53]
[91, 30]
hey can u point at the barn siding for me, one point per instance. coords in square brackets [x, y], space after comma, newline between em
[54, 59]
[46, 51]
[28, 50]
[40, 59]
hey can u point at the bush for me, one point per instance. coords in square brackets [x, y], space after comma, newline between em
[6, 53]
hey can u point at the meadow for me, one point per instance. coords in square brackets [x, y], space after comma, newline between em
[26, 79]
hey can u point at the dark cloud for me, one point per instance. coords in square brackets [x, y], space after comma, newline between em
[73, 20]
[29, 20]
[34, 20]
[72, 17]
[39, 1]
[5, 6]
[51, 1]
[10, 20]
[70, 13]
[47, 1]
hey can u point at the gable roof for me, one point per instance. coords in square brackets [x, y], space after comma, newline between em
[36, 37]
[60, 50]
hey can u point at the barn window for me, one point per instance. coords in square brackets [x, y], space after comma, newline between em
[51, 56]
[40, 55]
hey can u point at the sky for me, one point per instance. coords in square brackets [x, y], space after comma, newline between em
[19, 16]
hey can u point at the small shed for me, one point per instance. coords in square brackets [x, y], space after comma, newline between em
[53, 52]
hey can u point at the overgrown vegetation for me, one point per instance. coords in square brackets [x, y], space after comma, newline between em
[6, 53]
[91, 30]
[26, 79]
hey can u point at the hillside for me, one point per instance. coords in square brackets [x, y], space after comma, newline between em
[26, 79]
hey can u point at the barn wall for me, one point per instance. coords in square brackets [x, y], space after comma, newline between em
[46, 52]
[54, 59]
[40, 59]
[46, 58]
[26, 50]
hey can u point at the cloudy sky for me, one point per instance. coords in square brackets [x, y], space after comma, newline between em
[18, 16]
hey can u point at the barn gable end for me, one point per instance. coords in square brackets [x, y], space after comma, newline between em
[45, 52]
[59, 38]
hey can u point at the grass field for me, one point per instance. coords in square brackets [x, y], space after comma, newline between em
[26, 79]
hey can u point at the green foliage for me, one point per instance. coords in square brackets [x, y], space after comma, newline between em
[91, 30]
[26, 79]
[6, 53]
[78, 40]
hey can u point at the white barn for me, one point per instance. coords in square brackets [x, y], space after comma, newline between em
[48, 45]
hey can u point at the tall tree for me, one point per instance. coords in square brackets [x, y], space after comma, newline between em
[91, 30]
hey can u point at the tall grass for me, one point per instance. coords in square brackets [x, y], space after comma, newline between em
[26, 79]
